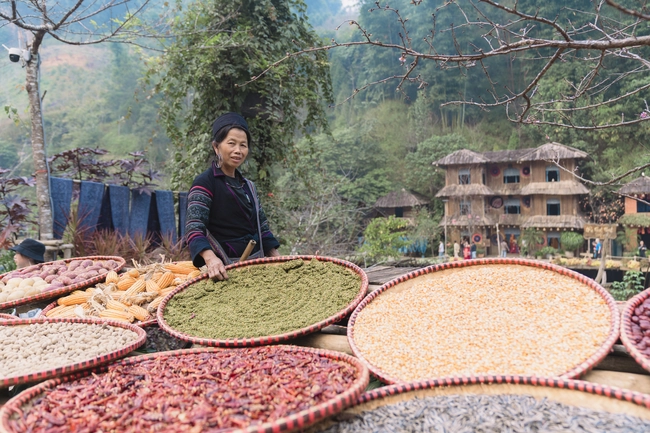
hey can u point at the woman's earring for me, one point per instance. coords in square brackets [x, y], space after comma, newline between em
[218, 159]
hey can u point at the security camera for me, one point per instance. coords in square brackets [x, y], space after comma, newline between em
[15, 54]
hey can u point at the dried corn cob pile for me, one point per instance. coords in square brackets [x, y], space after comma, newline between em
[131, 296]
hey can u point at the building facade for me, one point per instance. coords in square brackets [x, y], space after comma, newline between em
[495, 195]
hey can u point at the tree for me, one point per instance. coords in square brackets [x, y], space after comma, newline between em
[609, 41]
[219, 45]
[70, 22]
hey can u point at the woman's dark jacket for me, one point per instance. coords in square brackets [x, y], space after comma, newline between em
[224, 206]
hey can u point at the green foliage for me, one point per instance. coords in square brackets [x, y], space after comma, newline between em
[427, 226]
[571, 241]
[7, 263]
[547, 250]
[220, 46]
[384, 237]
[421, 175]
[530, 240]
[632, 284]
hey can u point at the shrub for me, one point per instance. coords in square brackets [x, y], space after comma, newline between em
[633, 283]
[571, 241]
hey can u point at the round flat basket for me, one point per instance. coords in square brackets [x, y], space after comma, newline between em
[495, 403]
[635, 328]
[46, 348]
[113, 263]
[260, 389]
[137, 322]
[7, 317]
[283, 304]
[484, 317]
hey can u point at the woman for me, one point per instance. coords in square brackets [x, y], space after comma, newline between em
[223, 211]
[29, 252]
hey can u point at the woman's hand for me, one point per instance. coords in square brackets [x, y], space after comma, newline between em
[216, 268]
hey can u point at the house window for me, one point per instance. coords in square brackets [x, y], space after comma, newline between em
[512, 206]
[399, 212]
[464, 177]
[552, 174]
[552, 206]
[511, 175]
[642, 207]
[465, 207]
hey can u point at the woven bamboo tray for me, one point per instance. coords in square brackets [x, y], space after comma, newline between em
[288, 422]
[62, 290]
[38, 376]
[574, 372]
[137, 322]
[626, 329]
[7, 317]
[574, 393]
[270, 339]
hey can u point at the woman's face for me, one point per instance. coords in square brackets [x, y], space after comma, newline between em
[233, 150]
[22, 261]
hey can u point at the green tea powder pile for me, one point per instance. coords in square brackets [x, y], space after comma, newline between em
[263, 300]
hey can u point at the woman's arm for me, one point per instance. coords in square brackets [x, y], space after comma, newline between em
[199, 201]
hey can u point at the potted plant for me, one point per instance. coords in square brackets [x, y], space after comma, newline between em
[571, 241]
[548, 252]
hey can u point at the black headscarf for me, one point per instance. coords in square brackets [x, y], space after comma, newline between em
[230, 119]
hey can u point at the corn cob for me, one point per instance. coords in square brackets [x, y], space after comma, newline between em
[77, 297]
[165, 280]
[194, 274]
[153, 306]
[112, 304]
[156, 276]
[112, 277]
[151, 287]
[133, 273]
[179, 268]
[139, 312]
[137, 287]
[125, 284]
[61, 309]
[119, 315]
[167, 291]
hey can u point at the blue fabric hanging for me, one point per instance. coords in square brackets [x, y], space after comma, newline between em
[139, 216]
[119, 201]
[90, 203]
[166, 216]
[61, 193]
[182, 209]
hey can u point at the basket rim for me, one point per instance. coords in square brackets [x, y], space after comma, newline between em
[268, 339]
[297, 420]
[41, 375]
[634, 397]
[573, 373]
[137, 322]
[7, 317]
[626, 329]
[62, 290]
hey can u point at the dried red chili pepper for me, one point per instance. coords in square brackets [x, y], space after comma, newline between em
[224, 389]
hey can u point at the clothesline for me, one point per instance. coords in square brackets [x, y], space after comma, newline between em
[111, 184]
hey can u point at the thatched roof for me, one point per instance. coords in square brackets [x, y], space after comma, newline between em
[464, 221]
[462, 157]
[554, 221]
[553, 151]
[508, 189]
[564, 187]
[511, 219]
[635, 220]
[548, 151]
[640, 185]
[402, 198]
[471, 190]
[507, 155]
